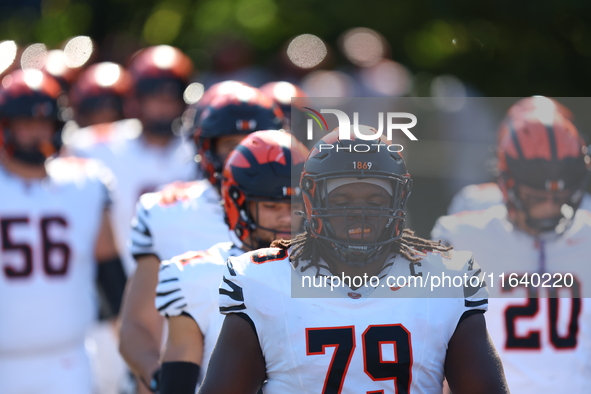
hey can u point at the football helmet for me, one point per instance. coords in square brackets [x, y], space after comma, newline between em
[259, 169]
[193, 112]
[243, 110]
[540, 147]
[341, 161]
[102, 85]
[30, 94]
[160, 68]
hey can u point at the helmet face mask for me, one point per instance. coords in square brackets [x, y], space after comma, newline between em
[32, 141]
[250, 228]
[357, 234]
[356, 230]
[159, 73]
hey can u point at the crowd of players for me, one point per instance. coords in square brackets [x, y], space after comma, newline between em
[170, 201]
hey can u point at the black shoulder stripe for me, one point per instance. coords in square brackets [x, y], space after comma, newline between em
[169, 280]
[167, 293]
[169, 303]
[232, 308]
[230, 268]
[146, 231]
[236, 294]
[472, 304]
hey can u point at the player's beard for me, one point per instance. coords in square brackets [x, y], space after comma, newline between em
[29, 156]
[160, 127]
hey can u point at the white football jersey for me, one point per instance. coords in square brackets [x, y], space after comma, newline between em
[544, 343]
[181, 217]
[138, 167]
[49, 228]
[358, 341]
[188, 284]
[485, 195]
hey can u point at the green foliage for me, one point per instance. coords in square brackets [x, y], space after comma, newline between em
[503, 48]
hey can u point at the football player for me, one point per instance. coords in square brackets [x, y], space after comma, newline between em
[98, 94]
[146, 154]
[257, 191]
[185, 216]
[54, 227]
[542, 339]
[385, 337]
[485, 195]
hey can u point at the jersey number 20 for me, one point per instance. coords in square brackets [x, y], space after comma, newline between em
[343, 340]
[48, 246]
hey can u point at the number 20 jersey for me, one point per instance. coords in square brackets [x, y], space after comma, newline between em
[544, 343]
[352, 344]
[48, 229]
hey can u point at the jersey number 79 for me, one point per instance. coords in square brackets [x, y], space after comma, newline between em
[343, 340]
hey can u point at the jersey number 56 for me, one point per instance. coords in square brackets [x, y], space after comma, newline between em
[51, 266]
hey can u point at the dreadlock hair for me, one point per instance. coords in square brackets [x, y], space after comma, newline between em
[304, 247]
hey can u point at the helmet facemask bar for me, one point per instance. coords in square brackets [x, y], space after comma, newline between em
[358, 250]
[573, 176]
[557, 224]
[246, 227]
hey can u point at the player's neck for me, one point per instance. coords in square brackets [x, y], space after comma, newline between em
[338, 268]
[23, 170]
[519, 220]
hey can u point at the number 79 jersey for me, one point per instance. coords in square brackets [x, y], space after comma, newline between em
[353, 344]
[48, 231]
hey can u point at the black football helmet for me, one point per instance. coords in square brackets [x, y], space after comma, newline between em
[333, 159]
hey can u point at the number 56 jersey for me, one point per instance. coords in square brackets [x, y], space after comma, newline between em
[48, 231]
[364, 342]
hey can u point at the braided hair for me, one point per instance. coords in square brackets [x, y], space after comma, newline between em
[304, 247]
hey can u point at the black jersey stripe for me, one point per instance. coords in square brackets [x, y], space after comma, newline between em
[135, 243]
[232, 308]
[169, 280]
[236, 294]
[472, 304]
[167, 293]
[169, 303]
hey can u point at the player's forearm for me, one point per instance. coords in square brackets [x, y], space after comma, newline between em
[140, 350]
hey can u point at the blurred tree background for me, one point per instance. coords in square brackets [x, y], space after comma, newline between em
[415, 48]
[501, 48]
